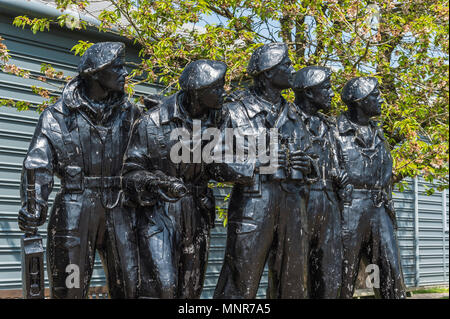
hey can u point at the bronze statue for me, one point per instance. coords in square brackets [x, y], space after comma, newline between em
[313, 92]
[368, 217]
[175, 208]
[267, 218]
[81, 139]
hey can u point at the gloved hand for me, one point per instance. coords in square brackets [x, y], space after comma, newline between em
[282, 158]
[340, 178]
[169, 188]
[299, 160]
[29, 221]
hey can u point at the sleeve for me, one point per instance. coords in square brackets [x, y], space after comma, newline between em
[225, 171]
[388, 186]
[40, 162]
[337, 165]
[137, 167]
[344, 191]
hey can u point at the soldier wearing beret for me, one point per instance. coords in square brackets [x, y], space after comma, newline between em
[313, 92]
[175, 207]
[267, 210]
[368, 218]
[82, 139]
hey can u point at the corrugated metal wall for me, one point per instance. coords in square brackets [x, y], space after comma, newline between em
[16, 129]
[404, 205]
[423, 234]
[432, 237]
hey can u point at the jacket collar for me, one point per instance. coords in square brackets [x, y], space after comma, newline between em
[73, 99]
[255, 105]
[170, 109]
[345, 126]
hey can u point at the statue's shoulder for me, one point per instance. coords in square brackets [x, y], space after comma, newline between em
[133, 108]
[237, 100]
[235, 108]
[328, 120]
[378, 126]
[236, 96]
[341, 119]
[152, 117]
[52, 115]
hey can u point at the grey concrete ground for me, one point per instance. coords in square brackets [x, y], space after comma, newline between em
[429, 296]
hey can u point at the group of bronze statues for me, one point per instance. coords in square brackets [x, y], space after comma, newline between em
[325, 206]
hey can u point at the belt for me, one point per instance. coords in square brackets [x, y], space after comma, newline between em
[95, 182]
[196, 190]
[322, 185]
[363, 191]
[377, 195]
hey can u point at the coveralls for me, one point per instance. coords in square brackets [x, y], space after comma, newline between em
[324, 222]
[267, 219]
[83, 146]
[173, 236]
[368, 218]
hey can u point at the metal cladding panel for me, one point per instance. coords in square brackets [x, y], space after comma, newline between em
[404, 208]
[432, 237]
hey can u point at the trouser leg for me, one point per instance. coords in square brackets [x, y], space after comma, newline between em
[325, 245]
[110, 267]
[158, 254]
[194, 251]
[249, 237]
[386, 255]
[354, 229]
[71, 247]
[288, 261]
[122, 246]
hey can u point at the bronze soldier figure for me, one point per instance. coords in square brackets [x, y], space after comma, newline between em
[81, 139]
[175, 208]
[368, 218]
[267, 217]
[313, 92]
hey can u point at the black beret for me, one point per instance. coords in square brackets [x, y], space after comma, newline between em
[202, 74]
[358, 88]
[99, 55]
[310, 76]
[266, 57]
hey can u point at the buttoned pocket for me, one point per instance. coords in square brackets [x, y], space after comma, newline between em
[151, 230]
[66, 241]
[247, 227]
[73, 178]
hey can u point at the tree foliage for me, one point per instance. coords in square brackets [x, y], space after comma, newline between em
[402, 43]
